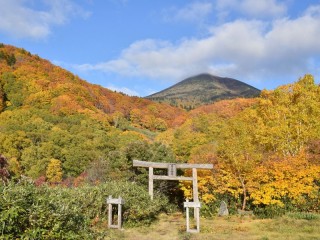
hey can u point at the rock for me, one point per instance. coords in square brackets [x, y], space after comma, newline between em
[223, 210]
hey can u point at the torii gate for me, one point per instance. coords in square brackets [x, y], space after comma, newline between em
[172, 173]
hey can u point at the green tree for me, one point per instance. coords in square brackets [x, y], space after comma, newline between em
[14, 90]
[11, 59]
[2, 99]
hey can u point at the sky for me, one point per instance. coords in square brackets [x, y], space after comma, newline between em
[140, 47]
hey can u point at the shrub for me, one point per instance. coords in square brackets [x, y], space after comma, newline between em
[303, 215]
[44, 212]
[137, 210]
[269, 211]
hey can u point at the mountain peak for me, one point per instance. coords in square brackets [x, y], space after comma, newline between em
[203, 89]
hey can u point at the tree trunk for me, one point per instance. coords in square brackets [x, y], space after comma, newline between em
[244, 202]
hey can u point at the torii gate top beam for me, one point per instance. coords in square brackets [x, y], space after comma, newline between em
[138, 163]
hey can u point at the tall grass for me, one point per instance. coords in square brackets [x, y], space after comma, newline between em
[303, 215]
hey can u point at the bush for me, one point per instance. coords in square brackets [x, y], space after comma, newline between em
[31, 212]
[137, 210]
[269, 211]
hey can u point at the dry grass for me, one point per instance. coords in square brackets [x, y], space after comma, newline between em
[172, 227]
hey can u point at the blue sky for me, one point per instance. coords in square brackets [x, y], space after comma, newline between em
[142, 46]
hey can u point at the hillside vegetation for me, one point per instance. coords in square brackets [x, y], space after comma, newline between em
[204, 89]
[65, 144]
[47, 113]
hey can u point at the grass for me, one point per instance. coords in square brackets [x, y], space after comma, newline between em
[171, 227]
[146, 132]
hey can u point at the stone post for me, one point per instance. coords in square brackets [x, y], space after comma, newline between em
[117, 201]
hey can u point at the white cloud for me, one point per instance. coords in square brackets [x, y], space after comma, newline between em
[123, 90]
[22, 21]
[254, 8]
[245, 49]
[263, 8]
[313, 10]
[193, 12]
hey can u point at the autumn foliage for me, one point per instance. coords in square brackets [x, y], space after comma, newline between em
[265, 154]
[60, 129]
[291, 179]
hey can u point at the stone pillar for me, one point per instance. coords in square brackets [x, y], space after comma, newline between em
[195, 185]
[195, 193]
[187, 217]
[109, 212]
[151, 182]
[196, 206]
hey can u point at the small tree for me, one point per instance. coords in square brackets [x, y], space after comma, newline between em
[98, 171]
[11, 59]
[54, 171]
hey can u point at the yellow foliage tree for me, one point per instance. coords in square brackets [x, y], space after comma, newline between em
[290, 178]
[54, 171]
[206, 186]
[290, 115]
[166, 137]
[136, 116]
[185, 139]
[14, 166]
[206, 180]
[239, 155]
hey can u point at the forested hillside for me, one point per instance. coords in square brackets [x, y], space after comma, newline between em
[57, 130]
[48, 115]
